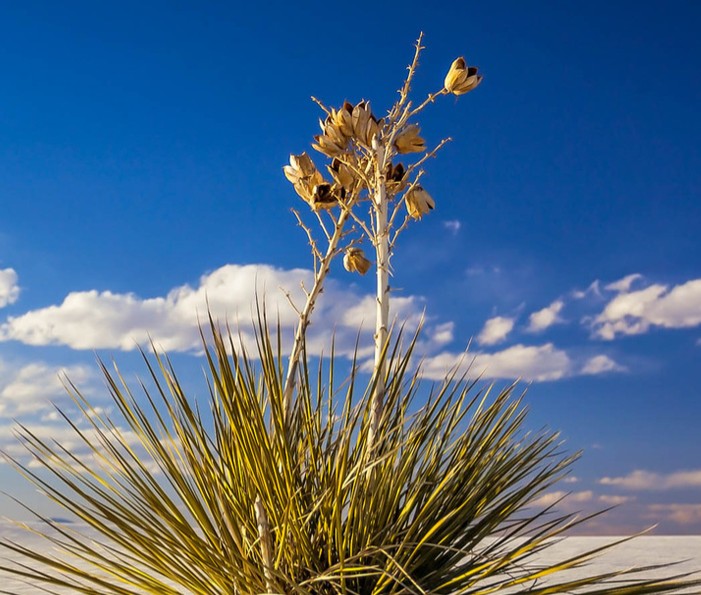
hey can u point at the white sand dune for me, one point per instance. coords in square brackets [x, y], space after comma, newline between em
[642, 551]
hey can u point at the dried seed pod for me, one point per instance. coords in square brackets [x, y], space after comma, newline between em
[354, 261]
[365, 125]
[328, 145]
[342, 174]
[409, 141]
[342, 119]
[303, 175]
[461, 78]
[418, 202]
[323, 197]
[395, 177]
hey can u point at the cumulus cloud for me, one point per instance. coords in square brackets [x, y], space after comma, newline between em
[9, 290]
[104, 319]
[495, 330]
[540, 363]
[635, 312]
[545, 318]
[31, 388]
[649, 481]
[681, 514]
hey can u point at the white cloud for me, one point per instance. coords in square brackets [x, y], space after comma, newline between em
[495, 330]
[600, 364]
[647, 480]
[542, 319]
[633, 313]
[540, 363]
[443, 333]
[32, 387]
[9, 290]
[453, 226]
[97, 320]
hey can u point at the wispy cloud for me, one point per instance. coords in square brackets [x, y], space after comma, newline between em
[495, 330]
[600, 364]
[453, 226]
[650, 481]
[623, 285]
[9, 290]
[545, 318]
[569, 500]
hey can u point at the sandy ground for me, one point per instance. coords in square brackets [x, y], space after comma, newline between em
[643, 551]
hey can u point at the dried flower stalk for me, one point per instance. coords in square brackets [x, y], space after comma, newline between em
[362, 148]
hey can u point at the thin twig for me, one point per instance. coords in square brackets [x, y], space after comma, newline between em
[427, 156]
[406, 87]
[312, 242]
[288, 295]
[321, 105]
[430, 99]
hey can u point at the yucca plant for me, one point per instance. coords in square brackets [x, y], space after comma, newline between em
[291, 481]
[439, 508]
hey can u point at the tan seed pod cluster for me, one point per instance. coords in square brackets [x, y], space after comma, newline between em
[418, 202]
[461, 78]
[409, 141]
[340, 126]
[354, 261]
[310, 184]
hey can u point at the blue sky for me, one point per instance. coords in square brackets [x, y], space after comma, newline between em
[141, 147]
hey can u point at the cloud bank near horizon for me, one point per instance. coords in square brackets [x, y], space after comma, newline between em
[88, 320]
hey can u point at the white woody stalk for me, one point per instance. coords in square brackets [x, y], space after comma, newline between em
[266, 543]
[382, 314]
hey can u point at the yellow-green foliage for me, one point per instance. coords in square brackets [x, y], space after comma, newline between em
[438, 507]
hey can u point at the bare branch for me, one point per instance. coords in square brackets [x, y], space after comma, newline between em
[288, 295]
[427, 156]
[404, 91]
[312, 242]
[323, 226]
[430, 99]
